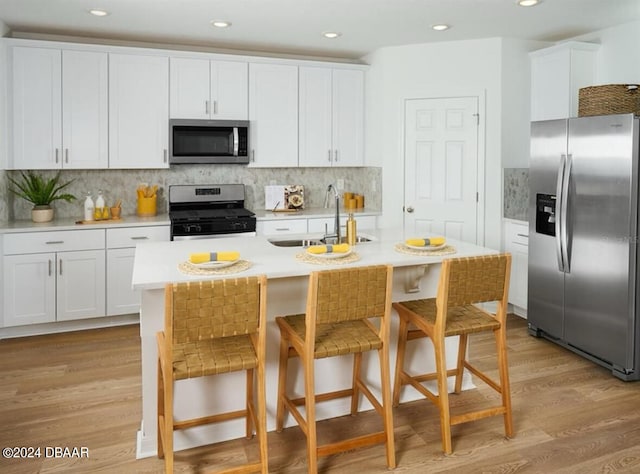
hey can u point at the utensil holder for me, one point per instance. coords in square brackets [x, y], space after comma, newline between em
[147, 206]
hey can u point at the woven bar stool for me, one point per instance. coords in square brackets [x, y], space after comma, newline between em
[339, 306]
[463, 282]
[213, 327]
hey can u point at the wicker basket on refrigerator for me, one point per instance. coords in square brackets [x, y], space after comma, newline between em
[609, 99]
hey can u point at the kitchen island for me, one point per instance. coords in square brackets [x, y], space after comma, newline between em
[156, 263]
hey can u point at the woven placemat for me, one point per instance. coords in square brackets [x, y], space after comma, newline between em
[446, 250]
[191, 269]
[306, 258]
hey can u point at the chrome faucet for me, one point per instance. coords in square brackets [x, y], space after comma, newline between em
[336, 228]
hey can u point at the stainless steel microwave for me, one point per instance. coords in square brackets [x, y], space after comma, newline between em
[208, 141]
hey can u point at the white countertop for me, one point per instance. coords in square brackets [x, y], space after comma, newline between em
[156, 263]
[9, 227]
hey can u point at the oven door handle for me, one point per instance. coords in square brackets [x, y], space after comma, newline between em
[236, 141]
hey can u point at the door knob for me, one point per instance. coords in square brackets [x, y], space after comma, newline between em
[409, 209]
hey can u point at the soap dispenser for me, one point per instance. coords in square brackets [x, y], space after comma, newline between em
[99, 207]
[351, 230]
[88, 208]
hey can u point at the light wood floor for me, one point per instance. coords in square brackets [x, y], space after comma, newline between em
[83, 390]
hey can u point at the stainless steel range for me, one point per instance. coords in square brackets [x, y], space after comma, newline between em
[204, 211]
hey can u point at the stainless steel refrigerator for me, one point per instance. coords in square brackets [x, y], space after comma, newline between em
[583, 238]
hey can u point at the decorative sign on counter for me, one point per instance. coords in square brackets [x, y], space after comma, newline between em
[284, 198]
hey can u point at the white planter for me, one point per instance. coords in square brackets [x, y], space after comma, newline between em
[42, 214]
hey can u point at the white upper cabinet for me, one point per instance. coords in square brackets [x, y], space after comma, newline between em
[204, 89]
[331, 117]
[557, 74]
[59, 109]
[273, 111]
[138, 111]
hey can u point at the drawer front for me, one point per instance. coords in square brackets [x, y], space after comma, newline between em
[126, 237]
[57, 241]
[283, 226]
[517, 234]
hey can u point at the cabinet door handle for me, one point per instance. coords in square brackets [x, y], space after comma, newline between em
[206, 107]
[526, 236]
[50, 263]
[57, 155]
[142, 237]
[336, 154]
[215, 107]
[60, 267]
[282, 229]
[52, 242]
[66, 155]
[329, 156]
[165, 155]
[253, 156]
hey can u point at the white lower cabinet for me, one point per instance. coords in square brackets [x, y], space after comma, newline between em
[121, 298]
[517, 243]
[64, 283]
[281, 227]
[362, 223]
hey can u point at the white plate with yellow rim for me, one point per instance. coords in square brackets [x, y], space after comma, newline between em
[215, 264]
[425, 247]
[330, 255]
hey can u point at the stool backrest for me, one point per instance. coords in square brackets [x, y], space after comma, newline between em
[212, 309]
[350, 293]
[469, 280]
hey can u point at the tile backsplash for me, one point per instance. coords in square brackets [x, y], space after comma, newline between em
[516, 193]
[121, 184]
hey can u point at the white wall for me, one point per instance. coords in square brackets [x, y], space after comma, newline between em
[432, 70]
[618, 59]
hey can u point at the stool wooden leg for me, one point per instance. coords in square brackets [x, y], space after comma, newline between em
[160, 409]
[503, 367]
[462, 355]
[282, 382]
[443, 395]
[385, 385]
[261, 429]
[400, 353]
[250, 405]
[357, 364]
[310, 409]
[168, 427]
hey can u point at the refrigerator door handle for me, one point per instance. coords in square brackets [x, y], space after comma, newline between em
[565, 205]
[559, 212]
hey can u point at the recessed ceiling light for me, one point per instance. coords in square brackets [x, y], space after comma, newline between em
[440, 27]
[221, 23]
[528, 3]
[98, 12]
[331, 34]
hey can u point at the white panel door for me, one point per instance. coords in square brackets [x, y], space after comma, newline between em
[441, 160]
[189, 88]
[81, 284]
[36, 107]
[138, 111]
[316, 147]
[122, 299]
[273, 111]
[85, 112]
[29, 289]
[229, 90]
[348, 117]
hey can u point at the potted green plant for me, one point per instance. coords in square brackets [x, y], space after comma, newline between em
[41, 192]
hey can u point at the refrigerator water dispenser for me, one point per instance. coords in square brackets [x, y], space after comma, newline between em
[546, 214]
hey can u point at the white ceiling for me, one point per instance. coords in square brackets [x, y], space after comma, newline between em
[295, 26]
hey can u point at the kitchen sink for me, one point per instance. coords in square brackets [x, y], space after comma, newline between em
[280, 242]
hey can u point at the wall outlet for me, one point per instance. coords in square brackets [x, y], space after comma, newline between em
[340, 184]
